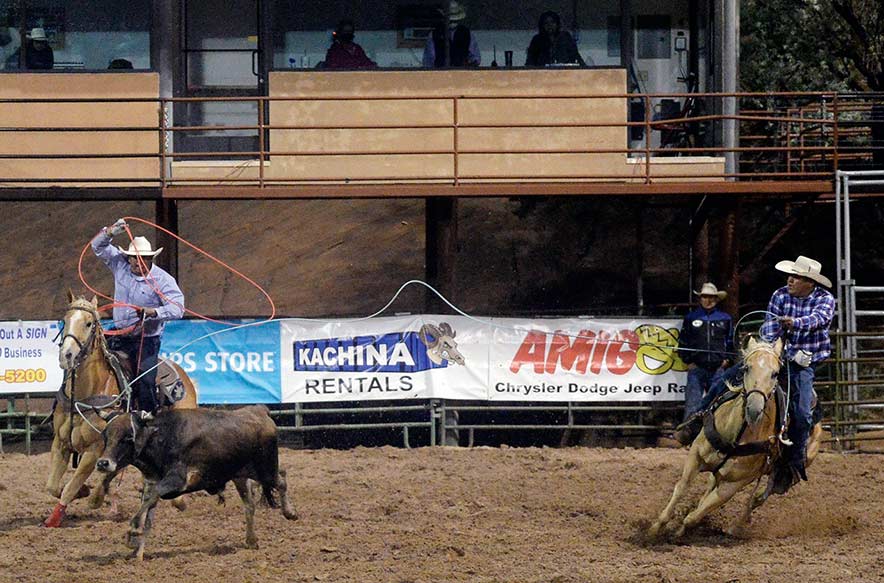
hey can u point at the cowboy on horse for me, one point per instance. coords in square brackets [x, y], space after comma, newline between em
[145, 297]
[801, 311]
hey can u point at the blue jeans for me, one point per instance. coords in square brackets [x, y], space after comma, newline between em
[800, 409]
[799, 381]
[143, 354]
[699, 382]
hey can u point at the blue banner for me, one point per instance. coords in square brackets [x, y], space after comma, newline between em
[236, 365]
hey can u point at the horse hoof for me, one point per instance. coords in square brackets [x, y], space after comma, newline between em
[679, 532]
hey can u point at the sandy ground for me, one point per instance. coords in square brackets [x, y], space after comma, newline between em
[446, 514]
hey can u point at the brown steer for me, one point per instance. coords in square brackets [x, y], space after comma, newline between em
[187, 451]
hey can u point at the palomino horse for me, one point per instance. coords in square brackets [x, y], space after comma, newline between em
[76, 424]
[748, 443]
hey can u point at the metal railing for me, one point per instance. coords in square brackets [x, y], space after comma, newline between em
[783, 136]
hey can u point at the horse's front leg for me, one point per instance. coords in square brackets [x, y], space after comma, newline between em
[689, 472]
[58, 464]
[712, 501]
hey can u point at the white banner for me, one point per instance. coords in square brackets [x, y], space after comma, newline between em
[453, 357]
[28, 357]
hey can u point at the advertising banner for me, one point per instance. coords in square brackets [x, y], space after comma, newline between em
[454, 357]
[231, 365]
[28, 357]
[585, 360]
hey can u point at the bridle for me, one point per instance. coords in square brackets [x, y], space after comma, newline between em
[756, 350]
[85, 346]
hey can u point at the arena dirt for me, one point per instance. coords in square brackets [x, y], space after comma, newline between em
[444, 514]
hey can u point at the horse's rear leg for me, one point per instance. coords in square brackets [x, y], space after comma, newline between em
[739, 527]
[690, 470]
[710, 502]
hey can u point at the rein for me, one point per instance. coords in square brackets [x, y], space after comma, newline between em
[736, 449]
[85, 350]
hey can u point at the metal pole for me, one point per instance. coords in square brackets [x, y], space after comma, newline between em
[28, 423]
[730, 50]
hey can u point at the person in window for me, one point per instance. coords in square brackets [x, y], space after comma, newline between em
[344, 53]
[10, 41]
[463, 50]
[552, 45]
[38, 53]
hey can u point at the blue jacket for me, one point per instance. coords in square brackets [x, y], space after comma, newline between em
[711, 332]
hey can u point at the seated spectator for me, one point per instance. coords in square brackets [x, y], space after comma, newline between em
[552, 45]
[120, 64]
[38, 53]
[344, 53]
[463, 50]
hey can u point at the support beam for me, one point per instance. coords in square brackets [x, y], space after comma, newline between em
[441, 250]
[167, 217]
[729, 256]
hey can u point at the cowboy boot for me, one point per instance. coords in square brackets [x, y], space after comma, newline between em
[689, 429]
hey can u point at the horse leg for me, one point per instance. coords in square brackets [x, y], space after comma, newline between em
[75, 488]
[689, 472]
[723, 492]
[813, 443]
[58, 464]
[248, 503]
[739, 528]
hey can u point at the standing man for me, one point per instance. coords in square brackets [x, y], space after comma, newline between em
[153, 298]
[705, 345]
[803, 310]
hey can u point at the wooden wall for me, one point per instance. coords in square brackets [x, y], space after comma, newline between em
[79, 115]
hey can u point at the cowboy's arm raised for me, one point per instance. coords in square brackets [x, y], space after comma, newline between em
[819, 317]
[103, 249]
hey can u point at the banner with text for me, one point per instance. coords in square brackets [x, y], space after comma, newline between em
[454, 357]
[231, 365]
[29, 357]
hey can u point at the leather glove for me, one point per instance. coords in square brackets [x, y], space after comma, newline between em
[117, 228]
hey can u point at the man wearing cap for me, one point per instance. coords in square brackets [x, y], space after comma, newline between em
[146, 297]
[705, 344]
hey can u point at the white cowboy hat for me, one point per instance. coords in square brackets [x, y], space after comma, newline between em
[141, 246]
[805, 267]
[455, 12]
[709, 289]
[37, 33]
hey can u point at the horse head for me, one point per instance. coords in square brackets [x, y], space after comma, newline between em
[762, 361]
[81, 327]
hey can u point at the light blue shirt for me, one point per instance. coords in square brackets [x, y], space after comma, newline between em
[139, 291]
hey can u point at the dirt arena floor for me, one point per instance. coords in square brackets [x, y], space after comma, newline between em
[446, 514]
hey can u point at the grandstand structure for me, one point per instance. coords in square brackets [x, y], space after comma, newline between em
[227, 105]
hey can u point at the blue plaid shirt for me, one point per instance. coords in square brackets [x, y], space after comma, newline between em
[812, 316]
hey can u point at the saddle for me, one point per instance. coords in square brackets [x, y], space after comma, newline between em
[169, 386]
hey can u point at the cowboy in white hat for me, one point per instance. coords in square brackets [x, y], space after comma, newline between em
[463, 49]
[38, 53]
[705, 345]
[801, 312]
[145, 297]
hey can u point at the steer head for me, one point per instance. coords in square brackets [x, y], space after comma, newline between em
[440, 343]
[125, 437]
